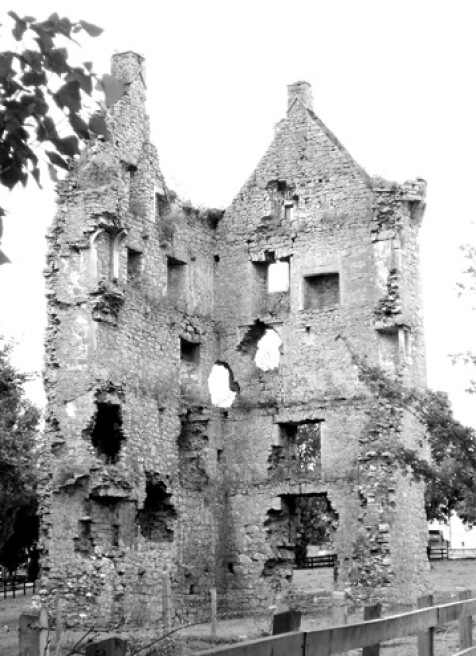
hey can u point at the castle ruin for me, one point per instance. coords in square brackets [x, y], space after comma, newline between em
[147, 295]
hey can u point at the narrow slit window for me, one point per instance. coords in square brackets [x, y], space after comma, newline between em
[288, 211]
[176, 278]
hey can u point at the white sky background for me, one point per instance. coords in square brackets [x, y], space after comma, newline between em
[393, 80]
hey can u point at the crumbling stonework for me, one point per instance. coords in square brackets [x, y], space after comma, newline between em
[146, 294]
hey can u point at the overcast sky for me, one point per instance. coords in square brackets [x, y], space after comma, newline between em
[393, 80]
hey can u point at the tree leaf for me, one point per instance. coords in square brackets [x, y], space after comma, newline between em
[20, 26]
[52, 172]
[98, 125]
[113, 89]
[57, 60]
[57, 160]
[33, 78]
[6, 59]
[79, 126]
[68, 146]
[89, 28]
[69, 96]
[83, 79]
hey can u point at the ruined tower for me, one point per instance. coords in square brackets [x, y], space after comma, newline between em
[146, 294]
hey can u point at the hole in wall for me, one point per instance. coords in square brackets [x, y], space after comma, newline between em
[156, 519]
[301, 529]
[107, 435]
[222, 386]
[263, 344]
[268, 350]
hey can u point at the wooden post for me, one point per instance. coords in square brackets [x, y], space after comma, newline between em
[33, 632]
[59, 623]
[213, 593]
[465, 624]
[426, 639]
[372, 613]
[166, 603]
[339, 608]
[339, 611]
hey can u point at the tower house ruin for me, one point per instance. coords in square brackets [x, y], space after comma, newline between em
[149, 473]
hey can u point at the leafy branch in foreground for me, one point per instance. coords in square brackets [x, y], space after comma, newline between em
[450, 473]
[34, 78]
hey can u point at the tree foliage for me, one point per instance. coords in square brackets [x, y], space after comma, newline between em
[450, 473]
[41, 99]
[316, 522]
[18, 501]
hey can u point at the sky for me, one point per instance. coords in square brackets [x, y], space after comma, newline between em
[393, 80]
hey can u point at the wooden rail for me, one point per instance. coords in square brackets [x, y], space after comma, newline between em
[310, 562]
[339, 639]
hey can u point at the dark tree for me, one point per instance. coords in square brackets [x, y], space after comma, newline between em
[18, 500]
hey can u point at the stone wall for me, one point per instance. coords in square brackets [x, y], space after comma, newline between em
[146, 294]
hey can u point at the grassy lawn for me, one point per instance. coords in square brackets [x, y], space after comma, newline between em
[10, 610]
[447, 577]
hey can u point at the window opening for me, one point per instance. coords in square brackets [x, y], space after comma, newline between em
[134, 264]
[298, 451]
[160, 204]
[189, 351]
[107, 435]
[321, 291]
[222, 386]
[176, 276]
[268, 352]
[156, 518]
[289, 211]
[278, 276]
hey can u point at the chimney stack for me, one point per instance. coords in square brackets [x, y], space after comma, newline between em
[301, 90]
[126, 66]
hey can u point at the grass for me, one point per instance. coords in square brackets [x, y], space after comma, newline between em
[447, 577]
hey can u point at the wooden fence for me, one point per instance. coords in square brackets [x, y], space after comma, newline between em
[368, 635]
[440, 552]
[14, 587]
[316, 561]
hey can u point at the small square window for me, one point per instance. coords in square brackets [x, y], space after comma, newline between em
[189, 351]
[321, 291]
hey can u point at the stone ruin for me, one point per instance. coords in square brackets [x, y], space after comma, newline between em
[150, 473]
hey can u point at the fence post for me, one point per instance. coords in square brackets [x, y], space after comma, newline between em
[426, 638]
[465, 624]
[213, 593]
[59, 623]
[33, 632]
[372, 613]
[166, 595]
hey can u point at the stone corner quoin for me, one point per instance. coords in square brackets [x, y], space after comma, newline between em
[143, 473]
